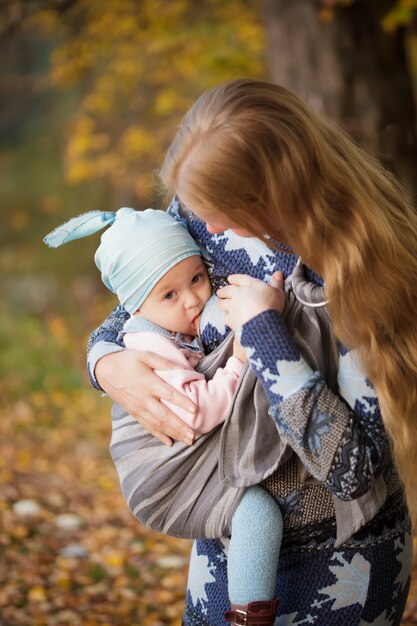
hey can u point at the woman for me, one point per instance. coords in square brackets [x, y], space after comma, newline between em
[251, 159]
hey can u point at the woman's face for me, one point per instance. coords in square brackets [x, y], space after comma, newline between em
[217, 222]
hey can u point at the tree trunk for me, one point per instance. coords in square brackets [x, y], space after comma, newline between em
[351, 70]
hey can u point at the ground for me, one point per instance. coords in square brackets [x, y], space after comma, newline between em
[72, 554]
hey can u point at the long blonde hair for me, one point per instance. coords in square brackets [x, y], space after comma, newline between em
[255, 152]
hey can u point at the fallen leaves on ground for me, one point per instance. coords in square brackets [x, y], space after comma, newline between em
[71, 551]
[72, 554]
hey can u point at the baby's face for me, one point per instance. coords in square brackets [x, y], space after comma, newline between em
[179, 297]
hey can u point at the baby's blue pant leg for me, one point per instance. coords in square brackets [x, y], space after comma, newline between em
[253, 555]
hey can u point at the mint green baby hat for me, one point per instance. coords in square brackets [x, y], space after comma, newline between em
[135, 252]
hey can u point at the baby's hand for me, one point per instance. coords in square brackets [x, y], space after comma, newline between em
[245, 297]
[196, 324]
[238, 351]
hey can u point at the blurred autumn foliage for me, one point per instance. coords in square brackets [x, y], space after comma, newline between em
[71, 552]
[140, 65]
[90, 95]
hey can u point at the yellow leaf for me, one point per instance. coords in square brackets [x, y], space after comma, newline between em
[136, 141]
[20, 531]
[106, 483]
[79, 171]
[399, 15]
[24, 459]
[166, 102]
[173, 581]
[63, 580]
[37, 594]
[326, 15]
[97, 102]
[114, 559]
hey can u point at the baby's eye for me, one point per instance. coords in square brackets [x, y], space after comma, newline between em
[169, 295]
[196, 278]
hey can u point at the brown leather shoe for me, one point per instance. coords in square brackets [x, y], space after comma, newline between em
[261, 613]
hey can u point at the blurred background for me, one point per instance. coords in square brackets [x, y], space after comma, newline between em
[90, 96]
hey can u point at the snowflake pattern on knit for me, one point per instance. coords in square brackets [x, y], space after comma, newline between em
[362, 438]
[329, 438]
[351, 458]
[340, 587]
[352, 581]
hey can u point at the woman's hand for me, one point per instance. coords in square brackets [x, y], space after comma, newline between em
[238, 351]
[128, 378]
[245, 297]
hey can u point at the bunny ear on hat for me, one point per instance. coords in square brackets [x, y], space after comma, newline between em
[78, 227]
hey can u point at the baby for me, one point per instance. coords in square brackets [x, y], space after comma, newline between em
[155, 267]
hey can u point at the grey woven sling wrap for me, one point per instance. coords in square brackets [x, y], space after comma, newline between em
[193, 491]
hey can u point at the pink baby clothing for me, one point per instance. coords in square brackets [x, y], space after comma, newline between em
[213, 398]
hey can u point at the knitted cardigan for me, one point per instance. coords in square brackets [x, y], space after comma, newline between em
[193, 491]
[337, 435]
[339, 438]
